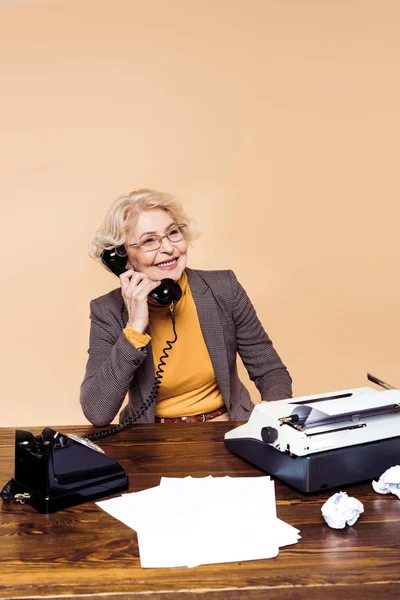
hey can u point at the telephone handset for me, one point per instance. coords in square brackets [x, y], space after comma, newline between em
[168, 291]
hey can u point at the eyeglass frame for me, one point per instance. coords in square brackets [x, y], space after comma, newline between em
[160, 238]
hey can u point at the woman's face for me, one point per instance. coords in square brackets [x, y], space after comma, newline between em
[170, 258]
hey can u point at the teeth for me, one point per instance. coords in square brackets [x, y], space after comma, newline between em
[167, 264]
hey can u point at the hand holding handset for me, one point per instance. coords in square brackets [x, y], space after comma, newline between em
[168, 291]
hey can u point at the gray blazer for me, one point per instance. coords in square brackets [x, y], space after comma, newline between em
[229, 324]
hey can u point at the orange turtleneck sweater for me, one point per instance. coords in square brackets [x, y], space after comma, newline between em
[188, 386]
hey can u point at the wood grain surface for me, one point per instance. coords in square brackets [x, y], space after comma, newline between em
[82, 552]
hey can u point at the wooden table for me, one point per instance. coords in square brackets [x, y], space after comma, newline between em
[82, 552]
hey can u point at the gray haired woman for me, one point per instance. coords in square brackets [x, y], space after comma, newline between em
[130, 336]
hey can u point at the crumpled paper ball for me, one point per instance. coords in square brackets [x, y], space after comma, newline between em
[389, 482]
[341, 509]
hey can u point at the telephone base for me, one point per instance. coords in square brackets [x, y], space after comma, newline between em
[53, 472]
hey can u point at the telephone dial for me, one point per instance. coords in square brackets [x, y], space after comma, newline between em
[54, 471]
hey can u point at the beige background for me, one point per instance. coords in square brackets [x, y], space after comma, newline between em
[276, 122]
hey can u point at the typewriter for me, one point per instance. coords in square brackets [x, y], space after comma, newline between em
[323, 441]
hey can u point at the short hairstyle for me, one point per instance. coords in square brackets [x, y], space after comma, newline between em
[123, 214]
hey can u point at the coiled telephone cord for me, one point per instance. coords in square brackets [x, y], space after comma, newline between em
[100, 435]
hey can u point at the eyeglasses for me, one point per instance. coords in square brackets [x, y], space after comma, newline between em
[153, 242]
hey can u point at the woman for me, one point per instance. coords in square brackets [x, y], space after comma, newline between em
[214, 321]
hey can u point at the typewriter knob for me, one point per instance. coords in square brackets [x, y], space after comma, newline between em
[269, 434]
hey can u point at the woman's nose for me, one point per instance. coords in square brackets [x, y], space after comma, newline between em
[166, 246]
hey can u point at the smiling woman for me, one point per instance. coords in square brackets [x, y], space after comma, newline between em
[214, 319]
[160, 248]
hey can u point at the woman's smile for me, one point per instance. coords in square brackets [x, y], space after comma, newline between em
[168, 265]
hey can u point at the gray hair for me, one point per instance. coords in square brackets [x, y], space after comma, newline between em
[123, 214]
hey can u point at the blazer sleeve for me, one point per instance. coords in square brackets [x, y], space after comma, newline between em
[111, 365]
[256, 350]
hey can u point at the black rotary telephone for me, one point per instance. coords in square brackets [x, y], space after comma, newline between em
[54, 471]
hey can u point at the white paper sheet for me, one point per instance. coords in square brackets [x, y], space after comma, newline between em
[192, 521]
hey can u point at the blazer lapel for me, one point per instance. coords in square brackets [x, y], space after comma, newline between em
[211, 327]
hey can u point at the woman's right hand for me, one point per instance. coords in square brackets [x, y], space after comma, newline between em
[135, 288]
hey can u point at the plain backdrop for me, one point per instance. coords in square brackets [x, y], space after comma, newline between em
[277, 123]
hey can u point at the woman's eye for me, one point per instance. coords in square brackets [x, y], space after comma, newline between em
[150, 241]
